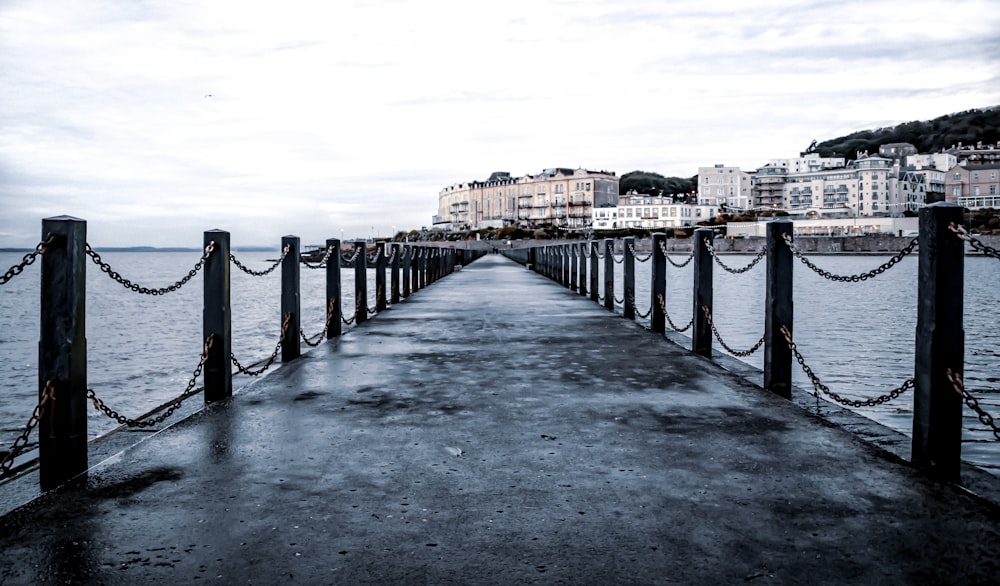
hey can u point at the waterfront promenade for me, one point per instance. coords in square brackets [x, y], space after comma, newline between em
[499, 429]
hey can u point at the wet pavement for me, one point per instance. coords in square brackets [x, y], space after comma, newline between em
[498, 429]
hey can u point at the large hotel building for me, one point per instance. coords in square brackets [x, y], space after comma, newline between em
[558, 197]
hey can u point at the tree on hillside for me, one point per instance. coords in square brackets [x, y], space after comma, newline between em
[649, 183]
[929, 136]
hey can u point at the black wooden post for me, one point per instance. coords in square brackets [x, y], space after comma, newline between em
[595, 291]
[422, 268]
[334, 304]
[581, 252]
[397, 254]
[573, 266]
[407, 263]
[701, 334]
[290, 299]
[609, 274]
[360, 282]
[940, 343]
[380, 263]
[628, 250]
[62, 352]
[568, 272]
[217, 319]
[658, 284]
[778, 310]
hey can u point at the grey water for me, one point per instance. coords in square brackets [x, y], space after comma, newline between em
[142, 350]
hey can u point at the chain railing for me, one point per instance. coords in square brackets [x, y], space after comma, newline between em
[715, 332]
[680, 265]
[818, 385]
[663, 306]
[274, 355]
[636, 256]
[264, 272]
[318, 338]
[7, 462]
[322, 262]
[973, 403]
[351, 258]
[631, 300]
[718, 261]
[26, 260]
[851, 278]
[350, 320]
[977, 245]
[168, 408]
[106, 268]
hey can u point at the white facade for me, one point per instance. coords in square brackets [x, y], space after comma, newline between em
[724, 186]
[808, 163]
[651, 212]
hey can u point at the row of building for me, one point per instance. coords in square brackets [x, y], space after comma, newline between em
[895, 181]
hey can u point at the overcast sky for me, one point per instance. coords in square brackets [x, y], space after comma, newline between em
[157, 120]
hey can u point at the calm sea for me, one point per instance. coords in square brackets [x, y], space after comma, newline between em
[142, 350]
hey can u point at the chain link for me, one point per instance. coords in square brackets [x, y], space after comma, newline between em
[635, 255]
[962, 233]
[48, 394]
[106, 268]
[818, 385]
[350, 320]
[318, 338]
[265, 272]
[170, 407]
[322, 262]
[274, 355]
[631, 299]
[753, 263]
[851, 278]
[973, 403]
[615, 258]
[27, 260]
[666, 314]
[681, 265]
[737, 353]
[354, 257]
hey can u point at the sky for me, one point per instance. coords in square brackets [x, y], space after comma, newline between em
[157, 120]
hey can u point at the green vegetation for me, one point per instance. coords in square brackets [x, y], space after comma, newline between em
[930, 136]
[655, 184]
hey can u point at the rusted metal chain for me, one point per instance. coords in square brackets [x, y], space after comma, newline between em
[326, 327]
[635, 255]
[106, 268]
[615, 258]
[322, 263]
[666, 314]
[753, 263]
[353, 318]
[27, 260]
[973, 403]
[818, 385]
[265, 272]
[962, 233]
[274, 355]
[851, 278]
[631, 298]
[352, 258]
[170, 407]
[738, 353]
[680, 265]
[7, 462]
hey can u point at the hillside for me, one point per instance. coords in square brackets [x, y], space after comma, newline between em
[928, 136]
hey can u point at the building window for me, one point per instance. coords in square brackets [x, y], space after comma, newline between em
[956, 190]
[957, 177]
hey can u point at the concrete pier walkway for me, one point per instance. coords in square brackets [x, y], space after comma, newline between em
[498, 429]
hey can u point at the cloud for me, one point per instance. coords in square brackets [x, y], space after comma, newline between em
[158, 120]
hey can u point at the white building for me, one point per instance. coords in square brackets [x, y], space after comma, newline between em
[724, 186]
[651, 212]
